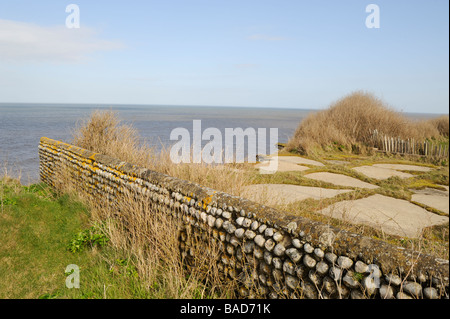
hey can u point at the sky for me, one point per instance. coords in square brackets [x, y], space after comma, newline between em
[257, 53]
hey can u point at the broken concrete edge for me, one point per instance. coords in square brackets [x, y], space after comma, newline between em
[392, 259]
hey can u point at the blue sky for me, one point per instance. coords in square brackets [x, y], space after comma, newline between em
[295, 54]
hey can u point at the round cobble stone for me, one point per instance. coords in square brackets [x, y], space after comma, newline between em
[308, 248]
[293, 254]
[297, 244]
[402, 295]
[277, 236]
[344, 262]
[246, 223]
[254, 225]
[319, 253]
[268, 232]
[226, 214]
[249, 234]
[430, 293]
[322, 268]
[349, 280]
[292, 282]
[393, 279]
[413, 288]
[262, 228]
[308, 261]
[259, 240]
[218, 223]
[335, 273]
[361, 267]
[331, 257]
[269, 244]
[277, 263]
[279, 250]
[386, 292]
[268, 258]
[289, 267]
[239, 233]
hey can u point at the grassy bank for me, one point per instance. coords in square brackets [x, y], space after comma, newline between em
[43, 232]
[37, 228]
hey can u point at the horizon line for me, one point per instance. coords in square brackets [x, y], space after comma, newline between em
[195, 105]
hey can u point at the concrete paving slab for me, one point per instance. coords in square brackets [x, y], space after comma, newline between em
[273, 194]
[432, 191]
[403, 167]
[380, 172]
[339, 179]
[393, 216]
[299, 160]
[271, 167]
[434, 198]
[273, 164]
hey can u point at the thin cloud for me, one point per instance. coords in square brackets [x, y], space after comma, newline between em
[145, 79]
[262, 37]
[20, 41]
[246, 66]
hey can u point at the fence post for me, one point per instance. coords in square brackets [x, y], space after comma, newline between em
[410, 146]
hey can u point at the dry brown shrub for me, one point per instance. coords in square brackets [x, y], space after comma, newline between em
[103, 132]
[151, 236]
[441, 123]
[351, 121]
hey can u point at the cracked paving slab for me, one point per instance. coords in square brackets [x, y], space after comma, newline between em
[393, 216]
[340, 179]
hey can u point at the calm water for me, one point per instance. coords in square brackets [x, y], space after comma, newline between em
[22, 125]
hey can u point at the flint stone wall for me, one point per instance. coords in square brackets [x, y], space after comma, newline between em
[291, 256]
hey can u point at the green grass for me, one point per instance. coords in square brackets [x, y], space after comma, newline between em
[41, 234]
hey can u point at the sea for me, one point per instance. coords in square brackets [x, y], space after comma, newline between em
[22, 125]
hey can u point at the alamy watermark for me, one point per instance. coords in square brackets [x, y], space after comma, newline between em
[73, 19]
[373, 19]
[73, 276]
[217, 150]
